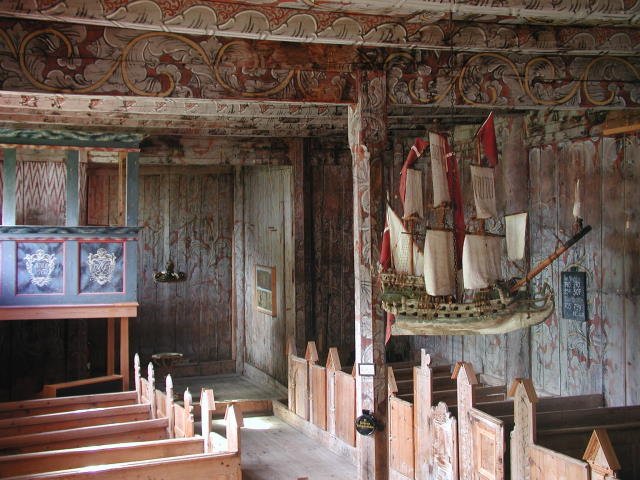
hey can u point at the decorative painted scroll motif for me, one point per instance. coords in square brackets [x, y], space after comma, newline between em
[423, 24]
[40, 268]
[52, 58]
[497, 80]
[101, 267]
[86, 59]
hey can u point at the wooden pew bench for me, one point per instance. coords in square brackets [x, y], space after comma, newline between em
[39, 462]
[42, 406]
[221, 466]
[73, 419]
[193, 458]
[155, 429]
[484, 427]
[556, 441]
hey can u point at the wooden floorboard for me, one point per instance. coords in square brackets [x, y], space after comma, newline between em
[271, 450]
[226, 387]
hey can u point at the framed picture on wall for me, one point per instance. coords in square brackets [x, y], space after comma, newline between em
[266, 300]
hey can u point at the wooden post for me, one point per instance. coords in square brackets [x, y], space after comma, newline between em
[151, 389]
[131, 212]
[422, 403]
[291, 384]
[523, 435]
[301, 229]
[466, 380]
[72, 163]
[9, 181]
[237, 272]
[234, 421]
[169, 406]
[188, 408]
[136, 375]
[315, 403]
[367, 141]
[601, 456]
[124, 352]
[333, 366]
[207, 406]
[111, 346]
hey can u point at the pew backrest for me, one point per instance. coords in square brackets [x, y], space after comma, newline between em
[40, 462]
[41, 406]
[85, 436]
[73, 419]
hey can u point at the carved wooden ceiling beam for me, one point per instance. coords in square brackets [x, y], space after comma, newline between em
[532, 27]
[203, 75]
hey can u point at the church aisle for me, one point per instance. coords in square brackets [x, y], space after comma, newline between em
[273, 450]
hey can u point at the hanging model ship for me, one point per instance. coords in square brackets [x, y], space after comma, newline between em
[423, 288]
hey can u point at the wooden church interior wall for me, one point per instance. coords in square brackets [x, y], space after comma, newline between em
[564, 356]
[187, 216]
[268, 243]
[331, 277]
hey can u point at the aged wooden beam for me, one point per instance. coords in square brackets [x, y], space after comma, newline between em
[367, 138]
[410, 24]
[216, 69]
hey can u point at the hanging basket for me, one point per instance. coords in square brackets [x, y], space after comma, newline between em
[169, 275]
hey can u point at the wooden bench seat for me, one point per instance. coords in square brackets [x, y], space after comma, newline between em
[39, 462]
[41, 406]
[219, 466]
[192, 458]
[142, 430]
[74, 419]
[553, 441]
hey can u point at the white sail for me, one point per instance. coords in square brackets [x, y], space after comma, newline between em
[516, 230]
[484, 192]
[439, 263]
[413, 194]
[438, 149]
[400, 241]
[481, 261]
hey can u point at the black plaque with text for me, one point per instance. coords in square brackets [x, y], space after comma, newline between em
[574, 295]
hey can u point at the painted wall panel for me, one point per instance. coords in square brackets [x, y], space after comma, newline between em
[570, 357]
[333, 308]
[187, 217]
[268, 242]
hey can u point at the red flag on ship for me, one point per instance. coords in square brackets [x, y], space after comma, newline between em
[486, 135]
[416, 151]
[385, 263]
[453, 182]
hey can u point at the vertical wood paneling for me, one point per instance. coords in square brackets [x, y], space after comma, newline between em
[401, 446]
[613, 223]
[333, 259]
[591, 245]
[632, 269]
[515, 185]
[268, 242]
[545, 337]
[238, 268]
[187, 216]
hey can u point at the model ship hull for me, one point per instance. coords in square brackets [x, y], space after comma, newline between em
[418, 314]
